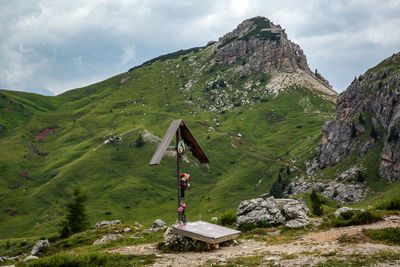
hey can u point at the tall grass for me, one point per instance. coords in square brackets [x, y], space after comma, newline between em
[91, 259]
[356, 218]
[391, 204]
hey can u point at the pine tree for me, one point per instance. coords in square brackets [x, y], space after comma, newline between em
[360, 177]
[139, 141]
[288, 172]
[76, 220]
[373, 133]
[353, 130]
[276, 189]
[316, 203]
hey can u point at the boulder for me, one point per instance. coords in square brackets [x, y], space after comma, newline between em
[107, 223]
[127, 229]
[257, 210]
[341, 210]
[31, 257]
[295, 213]
[157, 226]
[39, 247]
[175, 241]
[8, 258]
[291, 212]
[107, 238]
[214, 219]
[298, 223]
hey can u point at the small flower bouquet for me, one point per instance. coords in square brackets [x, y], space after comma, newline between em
[181, 210]
[185, 185]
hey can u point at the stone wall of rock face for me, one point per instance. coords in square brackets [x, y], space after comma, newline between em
[265, 55]
[377, 92]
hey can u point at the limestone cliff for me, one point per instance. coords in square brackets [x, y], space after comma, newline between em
[262, 46]
[369, 107]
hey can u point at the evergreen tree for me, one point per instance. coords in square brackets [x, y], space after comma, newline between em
[288, 172]
[316, 203]
[278, 186]
[373, 133]
[139, 141]
[353, 130]
[276, 189]
[76, 220]
[360, 177]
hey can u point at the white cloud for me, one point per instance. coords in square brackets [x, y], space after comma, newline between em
[59, 45]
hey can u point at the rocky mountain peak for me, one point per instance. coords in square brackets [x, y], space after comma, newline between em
[367, 115]
[260, 45]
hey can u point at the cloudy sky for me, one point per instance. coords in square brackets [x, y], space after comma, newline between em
[58, 45]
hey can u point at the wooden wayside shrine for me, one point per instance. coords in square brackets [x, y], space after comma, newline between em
[204, 231]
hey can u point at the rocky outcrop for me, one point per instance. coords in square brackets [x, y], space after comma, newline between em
[39, 246]
[107, 238]
[340, 192]
[292, 213]
[263, 46]
[108, 223]
[370, 107]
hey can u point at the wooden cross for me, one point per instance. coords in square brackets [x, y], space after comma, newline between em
[182, 133]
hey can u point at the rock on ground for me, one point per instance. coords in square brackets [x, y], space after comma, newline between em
[39, 246]
[341, 210]
[107, 238]
[31, 257]
[157, 226]
[107, 223]
[8, 258]
[176, 241]
[274, 211]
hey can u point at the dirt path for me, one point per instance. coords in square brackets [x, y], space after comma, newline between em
[310, 249]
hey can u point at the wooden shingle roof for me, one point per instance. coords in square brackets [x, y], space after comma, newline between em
[187, 137]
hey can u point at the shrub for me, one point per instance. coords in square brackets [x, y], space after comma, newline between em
[263, 224]
[353, 130]
[357, 218]
[316, 205]
[360, 177]
[387, 235]
[347, 214]
[227, 219]
[246, 227]
[373, 133]
[391, 204]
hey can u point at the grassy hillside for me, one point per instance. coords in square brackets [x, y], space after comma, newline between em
[50, 144]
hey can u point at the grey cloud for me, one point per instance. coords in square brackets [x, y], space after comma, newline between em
[60, 45]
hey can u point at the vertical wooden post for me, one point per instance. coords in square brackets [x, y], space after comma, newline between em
[179, 170]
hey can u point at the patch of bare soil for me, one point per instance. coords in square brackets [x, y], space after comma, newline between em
[308, 250]
[43, 134]
[18, 185]
[11, 212]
